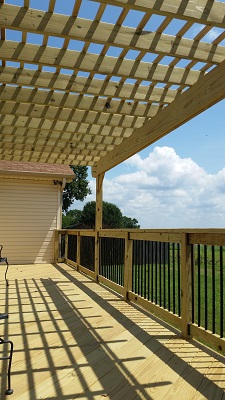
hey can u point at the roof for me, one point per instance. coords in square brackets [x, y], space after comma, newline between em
[94, 82]
[37, 169]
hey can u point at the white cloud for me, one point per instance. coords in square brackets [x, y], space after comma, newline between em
[167, 191]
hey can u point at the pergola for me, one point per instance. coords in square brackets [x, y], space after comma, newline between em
[98, 83]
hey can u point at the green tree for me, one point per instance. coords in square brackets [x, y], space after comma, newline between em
[78, 189]
[112, 217]
[130, 223]
[88, 214]
[72, 219]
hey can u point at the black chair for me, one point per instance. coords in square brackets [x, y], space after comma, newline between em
[9, 357]
[5, 341]
[5, 260]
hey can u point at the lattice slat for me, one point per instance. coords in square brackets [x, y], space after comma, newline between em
[110, 74]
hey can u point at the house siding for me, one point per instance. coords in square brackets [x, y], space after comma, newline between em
[28, 218]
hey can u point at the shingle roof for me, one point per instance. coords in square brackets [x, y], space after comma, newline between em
[19, 167]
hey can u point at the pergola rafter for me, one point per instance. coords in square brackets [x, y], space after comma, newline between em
[105, 88]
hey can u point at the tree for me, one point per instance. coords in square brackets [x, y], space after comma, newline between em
[78, 189]
[112, 217]
[130, 223]
[71, 218]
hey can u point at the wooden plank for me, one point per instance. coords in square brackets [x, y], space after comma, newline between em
[207, 12]
[86, 271]
[99, 205]
[128, 266]
[76, 338]
[76, 84]
[84, 157]
[87, 103]
[90, 232]
[213, 340]
[98, 221]
[46, 140]
[62, 130]
[156, 236]
[36, 21]
[112, 285]
[69, 114]
[186, 286]
[56, 245]
[95, 149]
[63, 126]
[211, 239]
[155, 309]
[71, 59]
[73, 232]
[207, 91]
[118, 235]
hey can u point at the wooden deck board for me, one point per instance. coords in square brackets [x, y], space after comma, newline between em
[74, 339]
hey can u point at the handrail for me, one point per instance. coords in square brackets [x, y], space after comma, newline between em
[144, 266]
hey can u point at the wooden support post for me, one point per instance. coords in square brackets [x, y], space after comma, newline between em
[128, 266]
[78, 250]
[56, 246]
[66, 246]
[186, 286]
[98, 220]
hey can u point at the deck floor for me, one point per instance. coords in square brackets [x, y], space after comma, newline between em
[74, 339]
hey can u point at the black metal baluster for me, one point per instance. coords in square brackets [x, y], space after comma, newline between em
[145, 269]
[164, 274]
[199, 285]
[160, 274]
[142, 268]
[169, 292]
[206, 285]
[152, 271]
[148, 263]
[193, 284]
[178, 277]
[213, 292]
[174, 301]
[221, 292]
[156, 272]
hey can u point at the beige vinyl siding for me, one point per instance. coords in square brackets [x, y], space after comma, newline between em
[28, 217]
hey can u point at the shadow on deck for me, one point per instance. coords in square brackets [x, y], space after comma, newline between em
[75, 339]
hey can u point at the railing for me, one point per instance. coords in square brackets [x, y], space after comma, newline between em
[175, 274]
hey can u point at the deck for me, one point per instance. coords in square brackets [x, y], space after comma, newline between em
[74, 339]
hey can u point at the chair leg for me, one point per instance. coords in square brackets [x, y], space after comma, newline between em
[9, 390]
[7, 266]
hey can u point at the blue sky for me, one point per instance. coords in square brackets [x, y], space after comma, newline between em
[178, 181]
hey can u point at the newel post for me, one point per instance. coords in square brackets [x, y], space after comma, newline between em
[186, 286]
[78, 250]
[98, 221]
[128, 265]
[56, 246]
[66, 245]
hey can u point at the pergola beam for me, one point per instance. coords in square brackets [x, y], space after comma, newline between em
[88, 62]
[45, 23]
[92, 104]
[70, 84]
[209, 90]
[208, 12]
[72, 115]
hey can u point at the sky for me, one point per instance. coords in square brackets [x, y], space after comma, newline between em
[179, 181]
